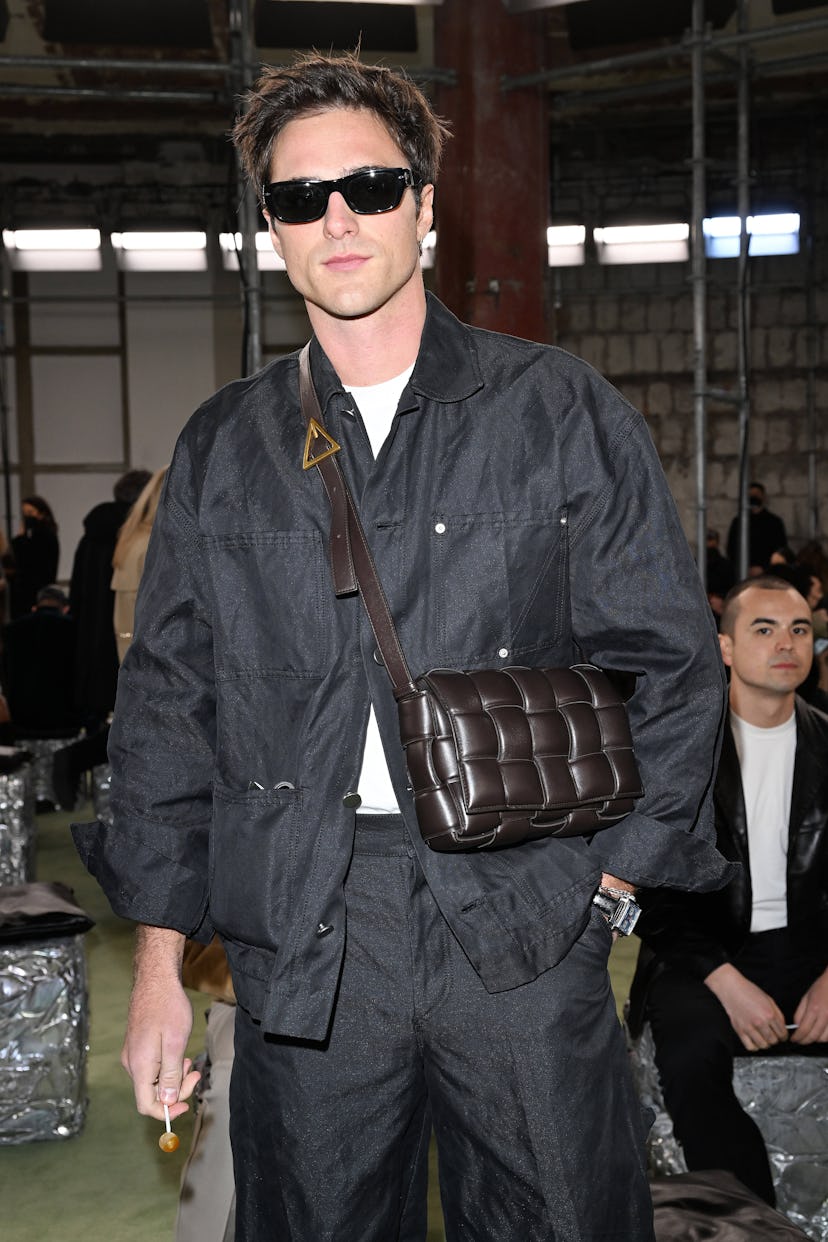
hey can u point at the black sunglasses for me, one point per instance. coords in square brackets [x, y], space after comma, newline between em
[368, 193]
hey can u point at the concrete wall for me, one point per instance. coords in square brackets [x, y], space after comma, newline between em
[641, 339]
[635, 323]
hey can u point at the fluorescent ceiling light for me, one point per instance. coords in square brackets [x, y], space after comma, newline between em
[784, 222]
[159, 241]
[267, 260]
[776, 233]
[565, 245]
[565, 235]
[53, 250]
[636, 234]
[52, 239]
[161, 252]
[643, 243]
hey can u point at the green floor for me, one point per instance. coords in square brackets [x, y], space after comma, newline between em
[111, 1183]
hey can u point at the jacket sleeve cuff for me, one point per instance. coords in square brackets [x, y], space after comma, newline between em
[652, 854]
[142, 883]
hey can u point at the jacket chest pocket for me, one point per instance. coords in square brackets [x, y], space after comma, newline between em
[253, 846]
[272, 592]
[499, 584]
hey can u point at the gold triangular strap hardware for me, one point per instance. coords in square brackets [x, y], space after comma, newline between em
[329, 447]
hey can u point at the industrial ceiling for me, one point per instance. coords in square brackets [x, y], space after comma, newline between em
[120, 111]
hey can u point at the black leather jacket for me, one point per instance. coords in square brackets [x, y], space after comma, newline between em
[698, 933]
[518, 515]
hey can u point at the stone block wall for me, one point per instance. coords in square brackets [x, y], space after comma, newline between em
[635, 323]
[638, 331]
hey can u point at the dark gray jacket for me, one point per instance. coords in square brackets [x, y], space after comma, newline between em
[518, 514]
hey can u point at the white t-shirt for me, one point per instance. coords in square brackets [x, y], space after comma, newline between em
[766, 757]
[378, 405]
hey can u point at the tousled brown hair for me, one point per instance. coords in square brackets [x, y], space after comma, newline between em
[314, 83]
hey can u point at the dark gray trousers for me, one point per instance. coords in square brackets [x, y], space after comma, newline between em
[539, 1133]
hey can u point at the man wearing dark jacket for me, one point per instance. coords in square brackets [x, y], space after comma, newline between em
[517, 514]
[745, 969]
[91, 600]
[766, 532]
[38, 659]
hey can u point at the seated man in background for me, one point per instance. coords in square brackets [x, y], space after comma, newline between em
[743, 970]
[38, 668]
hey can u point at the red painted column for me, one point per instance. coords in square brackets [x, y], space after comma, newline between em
[492, 195]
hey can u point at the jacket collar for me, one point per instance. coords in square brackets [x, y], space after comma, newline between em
[446, 369]
[728, 795]
[809, 766]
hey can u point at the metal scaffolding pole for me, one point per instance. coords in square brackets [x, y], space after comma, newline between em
[743, 335]
[248, 207]
[699, 280]
[812, 354]
[178, 67]
[633, 60]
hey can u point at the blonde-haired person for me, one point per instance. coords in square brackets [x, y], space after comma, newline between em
[129, 556]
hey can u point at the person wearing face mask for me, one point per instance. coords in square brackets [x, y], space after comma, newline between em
[766, 533]
[36, 550]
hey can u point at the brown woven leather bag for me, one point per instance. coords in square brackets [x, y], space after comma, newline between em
[495, 756]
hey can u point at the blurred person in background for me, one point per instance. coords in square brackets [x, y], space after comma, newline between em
[128, 559]
[96, 656]
[5, 560]
[766, 533]
[720, 574]
[814, 559]
[38, 665]
[92, 600]
[35, 550]
[783, 556]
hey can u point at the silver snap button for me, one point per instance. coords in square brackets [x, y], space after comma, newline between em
[504, 651]
[324, 929]
[378, 658]
[440, 528]
[563, 521]
[352, 799]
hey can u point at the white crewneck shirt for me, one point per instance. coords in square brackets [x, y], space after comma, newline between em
[377, 405]
[766, 757]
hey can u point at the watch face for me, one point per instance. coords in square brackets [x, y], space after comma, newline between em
[621, 913]
[626, 916]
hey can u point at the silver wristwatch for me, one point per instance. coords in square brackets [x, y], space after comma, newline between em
[620, 909]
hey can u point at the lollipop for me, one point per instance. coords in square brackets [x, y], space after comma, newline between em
[168, 1141]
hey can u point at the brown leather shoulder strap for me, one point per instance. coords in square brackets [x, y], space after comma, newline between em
[352, 564]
